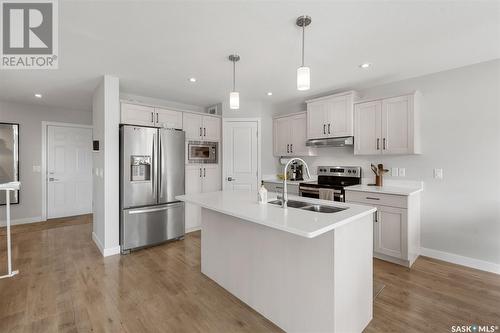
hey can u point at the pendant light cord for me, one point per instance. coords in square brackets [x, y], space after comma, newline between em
[303, 40]
[234, 75]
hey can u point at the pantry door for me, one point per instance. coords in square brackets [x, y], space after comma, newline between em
[69, 171]
[241, 154]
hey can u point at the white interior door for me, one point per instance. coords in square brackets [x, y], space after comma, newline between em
[241, 155]
[69, 171]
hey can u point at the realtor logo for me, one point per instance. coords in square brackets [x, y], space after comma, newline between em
[29, 34]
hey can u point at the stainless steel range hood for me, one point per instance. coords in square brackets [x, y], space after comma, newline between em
[331, 142]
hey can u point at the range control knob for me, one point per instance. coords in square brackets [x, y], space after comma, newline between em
[349, 171]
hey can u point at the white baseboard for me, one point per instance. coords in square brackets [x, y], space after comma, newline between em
[106, 252]
[25, 220]
[193, 229]
[461, 260]
[111, 251]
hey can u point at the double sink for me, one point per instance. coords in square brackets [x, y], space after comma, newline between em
[309, 206]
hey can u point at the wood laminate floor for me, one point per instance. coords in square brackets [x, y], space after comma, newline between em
[65, 285]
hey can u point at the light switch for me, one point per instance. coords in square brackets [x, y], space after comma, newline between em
[402, 172]
[438, 173]
[394, 172]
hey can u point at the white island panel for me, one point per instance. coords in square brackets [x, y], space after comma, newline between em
[322, 284]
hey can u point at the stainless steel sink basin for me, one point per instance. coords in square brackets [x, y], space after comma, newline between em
[291, 203]
[309, 206]
[324, 209]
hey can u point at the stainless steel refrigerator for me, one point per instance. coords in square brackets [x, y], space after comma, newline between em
[151, 175]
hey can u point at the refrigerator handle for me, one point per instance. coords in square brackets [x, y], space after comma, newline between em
[160, 172]
[153, 161]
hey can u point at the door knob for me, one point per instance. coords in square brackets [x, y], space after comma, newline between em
[230, 179]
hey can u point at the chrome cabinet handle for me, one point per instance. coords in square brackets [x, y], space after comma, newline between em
[53, 179]
[204, 172]
[376, 216]
[152, 117]
[384, 145]
[157, 118]
[324, 128]
[328, 128]
[201, 131]
[204, 131]
[230, 179]
[378, 143]
[200, 172]
[372, 198]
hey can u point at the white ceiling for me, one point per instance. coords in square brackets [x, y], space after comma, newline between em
[154, 47]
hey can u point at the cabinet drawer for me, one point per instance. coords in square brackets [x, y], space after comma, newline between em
[278, 188]
[376, 198]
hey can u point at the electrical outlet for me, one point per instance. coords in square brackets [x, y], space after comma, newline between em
[438, 173]
[394, 172]
[402, 172]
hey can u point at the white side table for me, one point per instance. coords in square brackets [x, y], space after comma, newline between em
[7, 187]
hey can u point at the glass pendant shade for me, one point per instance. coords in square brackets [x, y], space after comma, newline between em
[234, 100]
[303, 78]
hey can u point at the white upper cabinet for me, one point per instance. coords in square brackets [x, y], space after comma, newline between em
[192, 124]
[200, 127]
[211, 128]
[387, 126]
[137, 115]
[168, 118]
[290, 135]
[368, 130]
[330, 116]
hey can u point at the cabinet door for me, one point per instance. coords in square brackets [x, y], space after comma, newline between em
[137, 115]
[192, 125]
[316, 120]
[211, 128]
[397, 125]
[367, 131]
[340, 116]
[211, 178]
[298, 135]
[389, 231]
[192, 212]
[282, 136]
[168, 118]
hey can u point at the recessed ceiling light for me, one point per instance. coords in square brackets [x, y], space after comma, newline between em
[366, 65]
[269, 93]
[192, 79]
[38, 95]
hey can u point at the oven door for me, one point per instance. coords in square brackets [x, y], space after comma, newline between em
[309, 192]
[202, 152]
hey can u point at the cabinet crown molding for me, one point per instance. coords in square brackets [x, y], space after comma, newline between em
[349, 92]
[414, 93]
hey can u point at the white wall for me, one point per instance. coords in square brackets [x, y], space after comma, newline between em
[30, 117]
[460, 127]
[106, 119]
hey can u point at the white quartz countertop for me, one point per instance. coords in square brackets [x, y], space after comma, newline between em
[397, 190]
[244, 205]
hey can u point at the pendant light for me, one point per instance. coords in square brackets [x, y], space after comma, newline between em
[234, 96]
[303, 72]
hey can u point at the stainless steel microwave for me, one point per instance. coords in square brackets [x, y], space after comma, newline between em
[202, 152]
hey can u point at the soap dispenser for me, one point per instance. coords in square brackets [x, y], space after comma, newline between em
[262, 194]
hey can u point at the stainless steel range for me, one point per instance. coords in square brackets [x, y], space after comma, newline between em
[331, 183]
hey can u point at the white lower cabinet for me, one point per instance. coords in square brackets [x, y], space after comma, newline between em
[200, 178]
[396, 225]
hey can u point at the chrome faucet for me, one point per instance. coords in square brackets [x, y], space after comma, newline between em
[285, 194]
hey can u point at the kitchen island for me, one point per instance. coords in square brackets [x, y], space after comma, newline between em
[303, 270]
